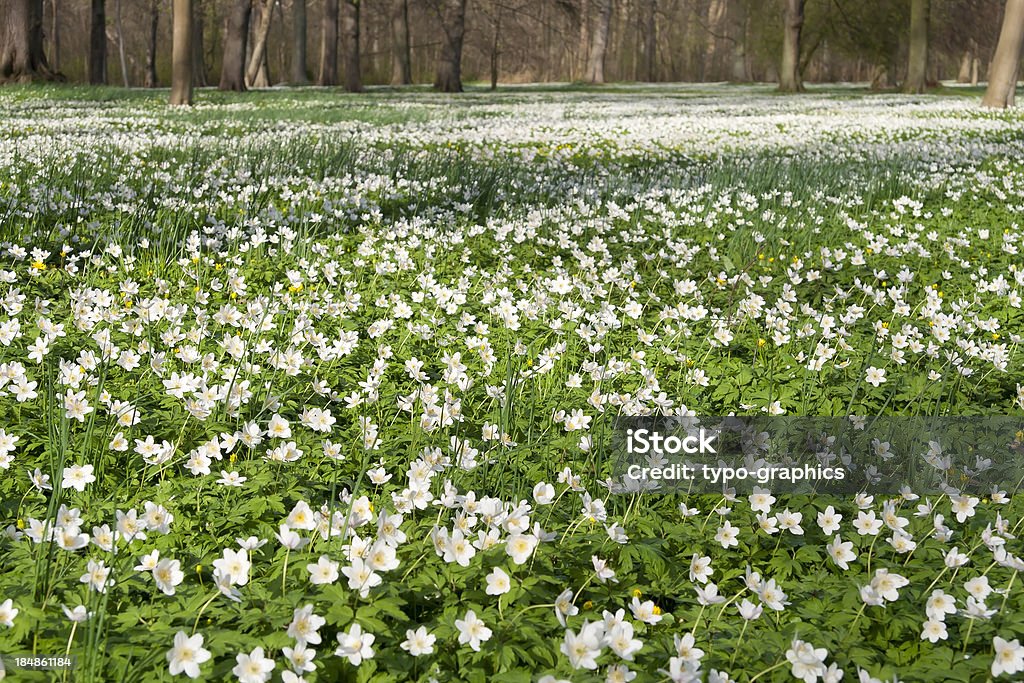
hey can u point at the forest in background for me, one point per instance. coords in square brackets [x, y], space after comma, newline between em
[352, 42]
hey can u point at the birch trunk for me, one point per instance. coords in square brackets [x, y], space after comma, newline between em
[181, 53]
[1002, 82]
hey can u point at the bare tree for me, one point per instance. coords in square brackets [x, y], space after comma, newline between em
[21, 42]
[350, 40]
[1002, 82]
[648, 40]
[259, 48]
[793, 23]
[449, 66]
[154, 28]
[54, 36]
[329, 45]
[98, 42]
[598, 42]
[299, 76]
[716, 30]
[917, 66]
[181, 53]
[199, 76]
[120, 43]
[236, 39]
[401, 64]
[495, 45]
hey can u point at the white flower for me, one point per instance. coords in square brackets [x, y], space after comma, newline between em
[168, 574]
[867, 524]
[78, 614]
[77, 477]
[686, 648]
[749, 610]
[96, 575]
[727, 534]
[148, 562]
[887, 584]
[543, 493]
[301, 659]
[498, 582]
[187, 654]
[305, 626]
[472, 630]
[1009, 656]
[933, 631]
[583, 649]
[708, 595]
[700, 568]
[231, 478]
[290, 539]
[807, 662]
[939, 605]
[361, 577]
[604, 573]
[457, 549]
[234, 565]
[791, 520]
[761, 500]
[841, 552]
[355, 645]
[520, 546]
[324, 571]
[7, 613]
[419, 642]
[253, 667]
[979, 588]
[874, 376]
[620, 639]
[646, 611]
[963, 507]
[564, 606]
[829, 520]
[772, 596]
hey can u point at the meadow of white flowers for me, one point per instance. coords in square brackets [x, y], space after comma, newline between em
[304, 387]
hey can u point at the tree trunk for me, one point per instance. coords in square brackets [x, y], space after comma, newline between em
[1002, 81]
[329, 45]
[120, 44]
[98, 43]
[401, 64]
[299, 76]
[917, 66]
[55, 36]
[715, 22]
[793, 24]
[598, 42]
[880, 77]
[739, 73]
[199, 76]
[583, 44]
[350, 40]
[495, 45]
[966, 60]
[236, 40]
[449, 66]
[181, 53]
[259, 48]
[649, 41]
[21, 42]
[154, 28]
[975, 70]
